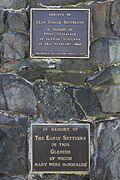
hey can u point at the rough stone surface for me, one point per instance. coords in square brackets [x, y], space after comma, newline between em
[12, 178]
[31, 74]
[13, 4]
[1, 21]
[64, 102]
[13, 145]
[53, 2]
[17, 94]
[65, 77]
[106, 163]
[110, 99]
[100, 19]
[41, 63]
[115, 17]
[15, 45]
[105, 51]
[35, 69]
[108, 76]
[58, 177]
[2, 101]
[31, 69]
[41, 68]
[58, 104]
[17, 21]
[71, 64]
[88, 101]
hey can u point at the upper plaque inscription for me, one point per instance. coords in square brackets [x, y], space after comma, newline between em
[61, 33]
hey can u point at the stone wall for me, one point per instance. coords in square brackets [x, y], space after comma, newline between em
[70, 90]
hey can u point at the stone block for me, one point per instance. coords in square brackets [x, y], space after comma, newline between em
[2, 101]
[18, 94]
[15, 45]
[1, 21]
[109, 99]
[105, 51]
[59, 177]
[41, 64]
[31, 74]
[13, 4]
[13, 146]
[88, 101]
[53, 2]
[34, 69]
[75, 64]
[66, 77]
[108, 76]
[58, 104]
[100, 19]
[2, 98]
[115, 17]
[17, 21]
[105, 162]
[12, 178]
[62, 103]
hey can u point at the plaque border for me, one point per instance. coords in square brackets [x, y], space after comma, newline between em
[59, 172]
[88, 43]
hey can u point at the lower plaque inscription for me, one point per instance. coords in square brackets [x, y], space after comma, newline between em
[60, 148]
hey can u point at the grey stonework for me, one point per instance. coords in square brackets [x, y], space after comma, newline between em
[13, 4]
[108, 76]
[110, 99]
[17, 94]
[15, 45]
[71, 78]
[58, 177]
[106, 164]
[12, 178]
[100, 19]
[53, 2]
[70, 90]
[75, 65]
[1, 20]
[13, 145]
[57, 102]
[88, 101]
[115, 17]
[65, 102]
[17, 21]
[105, 51]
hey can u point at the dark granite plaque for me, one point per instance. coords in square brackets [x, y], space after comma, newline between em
[59, 33]
[60, 148]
